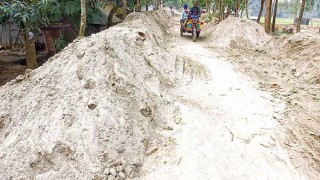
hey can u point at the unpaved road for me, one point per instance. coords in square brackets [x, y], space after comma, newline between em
[224, 127]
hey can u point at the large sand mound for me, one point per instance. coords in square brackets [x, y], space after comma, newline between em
[301, 46]
[238, 33]
[90, 110]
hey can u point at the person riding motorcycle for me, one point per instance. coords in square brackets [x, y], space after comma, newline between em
[194, 11]
[184, 15]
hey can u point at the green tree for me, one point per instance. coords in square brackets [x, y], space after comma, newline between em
[33, 14]
[5, 24]
[71, 10]
[28, 15]
[294, 7]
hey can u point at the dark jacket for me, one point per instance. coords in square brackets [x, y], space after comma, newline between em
[194, 11]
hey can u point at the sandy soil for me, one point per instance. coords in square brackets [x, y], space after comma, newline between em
[226, 127]
[287, 67]
[10, 72]
[10, 67]
[296, 83]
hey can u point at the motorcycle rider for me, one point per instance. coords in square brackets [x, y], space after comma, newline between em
[184, 15]
[194, 11]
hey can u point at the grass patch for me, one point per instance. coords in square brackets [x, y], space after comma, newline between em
[315, 22]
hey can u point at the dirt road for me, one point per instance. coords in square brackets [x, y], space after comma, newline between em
[225, 127]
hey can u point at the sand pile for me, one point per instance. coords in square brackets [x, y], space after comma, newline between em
[238, 33]
[301, 46]
[209, 27]
[90, 111]
[300, 55]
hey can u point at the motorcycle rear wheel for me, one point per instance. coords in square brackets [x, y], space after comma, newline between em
[198, 34]
[194, 35]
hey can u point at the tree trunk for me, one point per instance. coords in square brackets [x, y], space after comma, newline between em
[261, 10]
[31, 56]
[6, 35]
[83, 21]
[138, 6]
[301, 15]
[228, 12]
[147, 5]
[267, 16]
[246, 6]
[216, 6]
[110, 17]
[49, 41]
[311, 12]
[158, 4]
[222, 9]
[124, 13]
[274, 16]
[237, 8]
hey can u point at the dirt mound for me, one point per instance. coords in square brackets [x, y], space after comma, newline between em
[300, 55]
[238, 33]
[90, 111]
[209, 27]
[302, 46]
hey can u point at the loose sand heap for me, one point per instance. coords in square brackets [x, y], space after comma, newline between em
[237, 33]
[301, 46]
[209, 27]
[90, 111]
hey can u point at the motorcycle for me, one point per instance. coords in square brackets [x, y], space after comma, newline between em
[193, 26]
